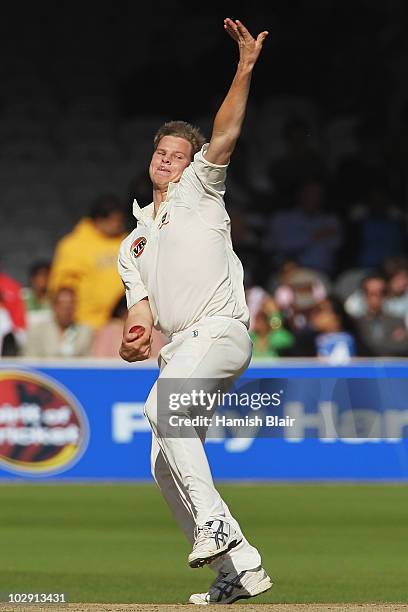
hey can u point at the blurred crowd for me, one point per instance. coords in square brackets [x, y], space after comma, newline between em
[317, 188]
[73, 306]
[302, 302]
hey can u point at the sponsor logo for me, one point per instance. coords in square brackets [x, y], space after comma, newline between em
[138, 246]
[43, 428]
[128, 418]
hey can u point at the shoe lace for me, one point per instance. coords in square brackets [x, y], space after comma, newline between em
[202, 533]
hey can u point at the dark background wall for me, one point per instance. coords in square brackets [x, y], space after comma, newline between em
[85, 85]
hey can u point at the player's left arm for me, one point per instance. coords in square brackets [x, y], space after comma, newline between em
[228, 121]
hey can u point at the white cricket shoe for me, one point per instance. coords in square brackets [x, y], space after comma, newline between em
[212, 540]
[229, 587]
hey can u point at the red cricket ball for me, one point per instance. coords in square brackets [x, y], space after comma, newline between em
[137, 329]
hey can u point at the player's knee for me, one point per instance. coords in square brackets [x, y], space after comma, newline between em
[159, 469]
[150, 411]
[153, 471]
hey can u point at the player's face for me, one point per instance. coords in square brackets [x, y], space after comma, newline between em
[170, 159]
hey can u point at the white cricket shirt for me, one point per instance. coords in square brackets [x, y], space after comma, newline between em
[183, 260]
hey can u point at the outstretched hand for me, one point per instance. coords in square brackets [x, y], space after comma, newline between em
[230, 116]
[249, 47]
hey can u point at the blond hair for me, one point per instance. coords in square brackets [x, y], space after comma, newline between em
[181, 129]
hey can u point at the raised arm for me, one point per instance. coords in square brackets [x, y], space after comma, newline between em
[228, 121]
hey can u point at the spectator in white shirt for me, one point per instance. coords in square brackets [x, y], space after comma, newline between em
[61, 336]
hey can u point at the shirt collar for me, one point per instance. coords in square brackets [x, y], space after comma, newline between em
[145, 214]
[142, 214]
[170, 190]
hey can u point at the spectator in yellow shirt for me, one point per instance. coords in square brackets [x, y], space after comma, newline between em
[85, 260]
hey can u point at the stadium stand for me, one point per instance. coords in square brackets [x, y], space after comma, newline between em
[74, 125]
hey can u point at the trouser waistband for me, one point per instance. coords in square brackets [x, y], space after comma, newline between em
[203, 321]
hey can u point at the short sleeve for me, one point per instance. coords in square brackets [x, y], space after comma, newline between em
[211, 175]
[202, 188]
[130, 275]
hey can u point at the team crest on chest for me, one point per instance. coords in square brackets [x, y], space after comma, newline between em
[164, 220]
[138, 246]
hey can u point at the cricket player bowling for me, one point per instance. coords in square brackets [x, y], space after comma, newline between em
[182, 276]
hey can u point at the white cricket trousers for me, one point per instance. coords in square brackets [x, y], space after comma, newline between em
[216, 347]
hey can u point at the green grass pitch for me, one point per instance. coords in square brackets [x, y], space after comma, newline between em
[119, 543]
